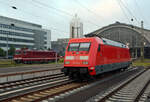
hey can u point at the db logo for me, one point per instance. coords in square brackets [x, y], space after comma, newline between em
[76, 58]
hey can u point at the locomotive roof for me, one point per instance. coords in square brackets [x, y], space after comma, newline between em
[104, 41]
[35, 50]
[113, 43]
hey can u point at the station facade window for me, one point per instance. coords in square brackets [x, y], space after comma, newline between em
[16, 33]
[15, 28]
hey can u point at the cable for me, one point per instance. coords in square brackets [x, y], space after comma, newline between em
[65, 14]
[141, 14]
[123, 11]
[62, 11]
[39, 6]
[34, 16]
[45, 5]
[89, 10]
[128, 10]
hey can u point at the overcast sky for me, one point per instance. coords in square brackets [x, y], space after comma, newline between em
[57, 14]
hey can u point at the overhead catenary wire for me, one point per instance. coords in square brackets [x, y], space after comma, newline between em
[129, 11]
[59, 10]
[141, 13]
[123, 11]
[39, 6]
[14, 7]
[63, 11]
[89, 10]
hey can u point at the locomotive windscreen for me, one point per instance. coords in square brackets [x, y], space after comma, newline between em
[79, 46]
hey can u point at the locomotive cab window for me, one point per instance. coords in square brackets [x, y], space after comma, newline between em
[85, 46]
[73, 47]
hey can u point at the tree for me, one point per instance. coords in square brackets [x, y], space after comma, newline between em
[11, 51]
[2, 52]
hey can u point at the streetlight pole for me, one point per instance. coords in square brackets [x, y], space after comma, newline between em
[7, 47]
[142, 42]
[134, 49]
[56, 58]
[13, 7]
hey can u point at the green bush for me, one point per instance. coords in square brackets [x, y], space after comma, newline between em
[2, 53]
[61, 60]
[11, 51]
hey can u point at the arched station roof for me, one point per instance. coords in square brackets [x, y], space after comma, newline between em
[123, 33]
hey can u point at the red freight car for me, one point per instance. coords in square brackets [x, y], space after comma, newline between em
[33, 56]
[92, 56]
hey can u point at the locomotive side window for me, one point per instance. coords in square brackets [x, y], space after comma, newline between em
[73, 47]
[84, 46]
[99, 47]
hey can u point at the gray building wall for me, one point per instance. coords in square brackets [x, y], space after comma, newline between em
[19, 23]
[47, 40]
[60, 45]
[21, 34]
[39, 39]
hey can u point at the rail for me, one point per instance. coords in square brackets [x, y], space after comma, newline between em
[33, 89]
[28, 74]
[125, 88]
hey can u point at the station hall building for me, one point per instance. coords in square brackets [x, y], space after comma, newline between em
[127, 34]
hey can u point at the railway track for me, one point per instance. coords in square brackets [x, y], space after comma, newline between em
[35, 89]
[69, 95]
[48, 90]
[12, 77]
[12, 89]
[130, 90]
[42, 91]
[145, 95]
[7, 85]
[46, 93]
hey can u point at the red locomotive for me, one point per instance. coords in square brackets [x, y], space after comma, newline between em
[92, 56]
[33, 56]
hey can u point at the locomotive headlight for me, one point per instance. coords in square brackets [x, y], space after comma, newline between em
[85, 62]
[92, 68]
[67, 62]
